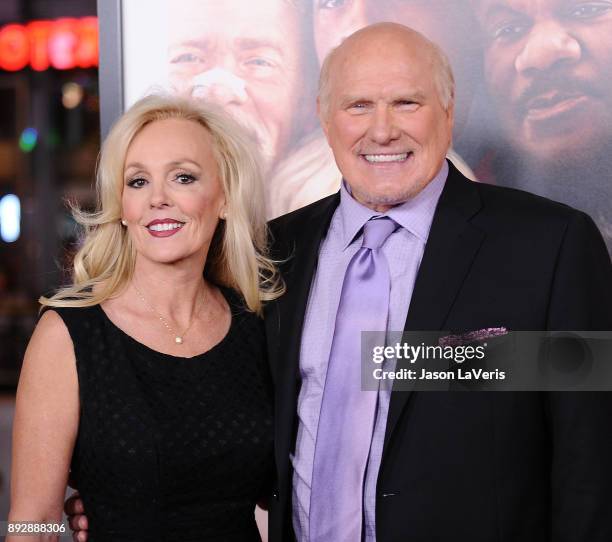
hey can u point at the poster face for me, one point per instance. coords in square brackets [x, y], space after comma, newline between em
[533, 99]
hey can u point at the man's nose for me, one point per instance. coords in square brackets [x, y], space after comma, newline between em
[548, 44]
[219, 86]
[383, 128]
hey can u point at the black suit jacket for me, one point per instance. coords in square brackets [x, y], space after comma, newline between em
[473, 466]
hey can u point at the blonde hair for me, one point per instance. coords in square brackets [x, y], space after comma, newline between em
[238, 253]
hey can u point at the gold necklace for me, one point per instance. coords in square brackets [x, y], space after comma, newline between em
[178, 338]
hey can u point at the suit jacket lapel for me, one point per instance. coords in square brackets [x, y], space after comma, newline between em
[451, 248]
[284, 325]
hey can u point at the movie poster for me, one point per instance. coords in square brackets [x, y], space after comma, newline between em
[533, 105]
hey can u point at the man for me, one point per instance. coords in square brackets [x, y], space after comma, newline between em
[449, 23]
[300, 181]
[441, 466]
[548, 66]
[425, 466]
[252, 59]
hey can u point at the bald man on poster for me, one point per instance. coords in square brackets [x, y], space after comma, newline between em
[442, 252]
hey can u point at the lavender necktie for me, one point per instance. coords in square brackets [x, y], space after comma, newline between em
[347, 416]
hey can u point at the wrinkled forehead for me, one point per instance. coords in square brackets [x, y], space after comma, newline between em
[492, 8]
[373, 57]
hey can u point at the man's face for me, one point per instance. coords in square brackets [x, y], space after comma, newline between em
[549, 69]
[384, 122]
[246, 57]
[448, 23]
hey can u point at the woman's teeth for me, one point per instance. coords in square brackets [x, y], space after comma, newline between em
[166, 226]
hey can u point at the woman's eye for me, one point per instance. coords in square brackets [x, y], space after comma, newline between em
[136, 183]
[185, 178]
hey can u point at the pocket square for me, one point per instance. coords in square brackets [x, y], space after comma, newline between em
[472, 336]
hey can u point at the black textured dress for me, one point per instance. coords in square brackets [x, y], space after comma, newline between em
[171, 448]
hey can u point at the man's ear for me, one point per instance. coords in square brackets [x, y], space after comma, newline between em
[323, 118]
[450, 116]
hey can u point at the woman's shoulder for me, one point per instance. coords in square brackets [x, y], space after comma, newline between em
[51, 340]
[76, 321]
[51, 324]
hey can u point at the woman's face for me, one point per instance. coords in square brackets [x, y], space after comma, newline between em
[172, 195]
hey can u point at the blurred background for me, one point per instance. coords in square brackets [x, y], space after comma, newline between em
[49, 140]
[533, 110]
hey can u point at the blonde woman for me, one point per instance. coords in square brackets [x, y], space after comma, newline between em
[146, 378]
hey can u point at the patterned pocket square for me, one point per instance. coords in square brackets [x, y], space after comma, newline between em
[472, 336]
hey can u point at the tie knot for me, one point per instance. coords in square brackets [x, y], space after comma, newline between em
[376, 231]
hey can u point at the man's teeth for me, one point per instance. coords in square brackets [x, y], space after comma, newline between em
[386, 157]
[166, 226]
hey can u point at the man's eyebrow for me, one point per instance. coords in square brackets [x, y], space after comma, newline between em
[256, 43]
[202, 43]
[498, 10]
[417, 95]
[349, 99]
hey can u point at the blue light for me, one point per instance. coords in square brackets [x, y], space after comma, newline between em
[28, 139]
[10, 218]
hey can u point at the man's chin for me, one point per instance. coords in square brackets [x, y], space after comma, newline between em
[383, 201]
[553, 151]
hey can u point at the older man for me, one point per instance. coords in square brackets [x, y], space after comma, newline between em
[253, 59]
[311, 173]
[548, 66]
[409, 243]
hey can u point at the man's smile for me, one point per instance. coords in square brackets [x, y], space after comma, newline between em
[553, 103]
[386, 158]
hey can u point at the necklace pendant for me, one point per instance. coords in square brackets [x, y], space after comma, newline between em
[178, 340]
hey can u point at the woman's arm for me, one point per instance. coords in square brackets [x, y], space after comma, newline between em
[45, 425]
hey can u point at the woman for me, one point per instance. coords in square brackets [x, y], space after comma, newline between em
[147, 377]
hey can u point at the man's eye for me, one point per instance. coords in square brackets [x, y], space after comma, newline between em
[331, 4]
[407, 104]
[185, 178]
[136, 183]
[590, 10]
[186, 58]
[357, 108]
[259, 62]
[509, 31]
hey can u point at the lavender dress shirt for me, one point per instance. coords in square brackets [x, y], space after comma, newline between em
[404, 251]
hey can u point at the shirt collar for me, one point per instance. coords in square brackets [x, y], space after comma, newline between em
[414, 215]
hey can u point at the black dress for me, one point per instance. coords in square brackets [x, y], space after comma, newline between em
[171, 448]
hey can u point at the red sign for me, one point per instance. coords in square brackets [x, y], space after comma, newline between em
[62, 44]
